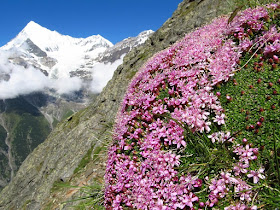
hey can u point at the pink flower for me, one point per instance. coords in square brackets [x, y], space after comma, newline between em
[220, 137]
[240, 168]
[243, 190]
[220, 119]
[256, 175]
[189, 199]
[240, 206]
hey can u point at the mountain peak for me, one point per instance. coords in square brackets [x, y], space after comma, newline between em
[33, 31]
[147, 32]
[60, 56]
[51, 40]
[33, 27]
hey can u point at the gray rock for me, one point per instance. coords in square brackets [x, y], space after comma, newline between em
[32, 48]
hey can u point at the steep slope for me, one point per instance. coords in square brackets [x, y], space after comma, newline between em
[23, 129]
[58, 157]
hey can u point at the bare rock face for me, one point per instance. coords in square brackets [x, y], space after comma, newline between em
[58, 157]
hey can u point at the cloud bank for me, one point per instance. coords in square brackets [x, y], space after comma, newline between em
[22, 81]
[102, 73]
[17, 80]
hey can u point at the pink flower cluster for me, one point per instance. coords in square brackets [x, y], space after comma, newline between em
[220, 137]
[176, 85]
[246, 155]
[248, 22]
[252, 21]
[219, 188]
[169, 97]
[272, 48]
[151, 182]
[240, 206]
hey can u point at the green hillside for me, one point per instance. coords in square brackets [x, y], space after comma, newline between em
[27, 128]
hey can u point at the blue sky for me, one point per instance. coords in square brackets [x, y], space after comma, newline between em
[112, 19]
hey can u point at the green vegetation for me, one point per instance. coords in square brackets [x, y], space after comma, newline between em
[93, 195]
[86, 159]
[59, 184]
[27, 132]
[3, 135]
[27, 127]
[254, 114]
[4, 167]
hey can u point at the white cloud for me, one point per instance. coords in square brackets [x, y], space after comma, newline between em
[102, 73]
[23, 81]
[67, 85]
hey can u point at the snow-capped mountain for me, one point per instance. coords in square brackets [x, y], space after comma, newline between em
[38, 68]
[40, 60]
[55, 54]
[62, 56]
[115, 52]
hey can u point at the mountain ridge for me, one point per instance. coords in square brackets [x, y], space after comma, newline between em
[36, 31]
[29, 84]
[58, 55]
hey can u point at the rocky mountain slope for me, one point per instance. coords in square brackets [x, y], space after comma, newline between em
[25, 122]
[35, 77]
[69, 152]
[23, 128]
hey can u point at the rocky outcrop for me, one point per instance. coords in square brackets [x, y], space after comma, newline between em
[58, 157]
[121, 48]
